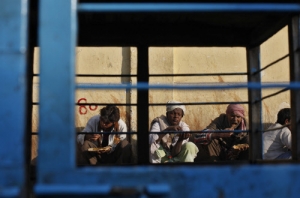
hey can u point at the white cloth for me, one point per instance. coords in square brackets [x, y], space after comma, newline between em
[92, 126]
[153, 137]
[172, 104]
[276, 142]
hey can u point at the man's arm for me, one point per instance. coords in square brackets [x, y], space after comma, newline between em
[286, 138]
[82, 137]
[206, 137]
[122, 128]
[177, 147]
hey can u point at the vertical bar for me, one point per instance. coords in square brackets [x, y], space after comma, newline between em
[143, 106]
[32, 42]
[13, 92]
[57, 36]
[255, 109]
[294, 47]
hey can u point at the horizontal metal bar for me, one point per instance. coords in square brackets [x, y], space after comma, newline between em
[189, 7]
[173, 132]
[158, 189]
[204, 74]
[106, 75]
[155, 104]
[158, 75]
[6, 51]
[274, 94]
[202, 131]
[106, 132]
[150, 132]
[273, 63]
[9, 191]
[65, 189]
[146, 86]
[158, 104]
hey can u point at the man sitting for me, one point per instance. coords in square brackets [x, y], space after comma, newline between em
[220, 140]
[277, 139]
[174, 147]
[114, 147]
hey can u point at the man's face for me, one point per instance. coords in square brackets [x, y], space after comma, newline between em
[174, 117]
[234, 120]
[105, 125]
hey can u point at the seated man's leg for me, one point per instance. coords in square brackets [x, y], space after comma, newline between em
[203, 154]
[92, 157]
[286, 155]
[214, 149]
[122, 153]
[188, 153]
[80, 159]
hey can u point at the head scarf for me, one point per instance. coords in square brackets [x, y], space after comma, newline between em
[238, 110]
[172, 104]
[235, 108]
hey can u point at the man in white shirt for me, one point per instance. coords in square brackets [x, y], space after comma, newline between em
[277, 140]
[171, 147]
[115, 147]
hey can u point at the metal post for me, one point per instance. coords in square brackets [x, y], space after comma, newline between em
[255, 109]
[143, 106]
[294, 46]
[57, 40]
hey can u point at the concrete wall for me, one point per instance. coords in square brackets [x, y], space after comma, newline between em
[117, 60]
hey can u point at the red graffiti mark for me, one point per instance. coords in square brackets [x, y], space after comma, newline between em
[93, 109]
[82, 109]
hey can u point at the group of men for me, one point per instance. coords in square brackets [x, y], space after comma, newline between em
[171, 141]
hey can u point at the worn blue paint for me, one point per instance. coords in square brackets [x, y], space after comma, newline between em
[13, 92]
[57, 39]
[184, 181]
[57, 173]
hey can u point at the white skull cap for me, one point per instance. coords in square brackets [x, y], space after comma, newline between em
[172, 104]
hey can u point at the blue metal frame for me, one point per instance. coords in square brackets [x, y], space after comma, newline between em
[189, 7]
[57, 40]
[13, 92]
[56, 165]
[57, 172]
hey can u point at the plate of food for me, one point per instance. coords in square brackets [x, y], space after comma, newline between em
[240, 146]
[106, 148]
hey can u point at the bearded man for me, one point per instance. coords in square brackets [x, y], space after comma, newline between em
[224, 138]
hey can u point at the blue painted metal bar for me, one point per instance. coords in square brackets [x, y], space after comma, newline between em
[158, 189]
[13, 49]
[57, 30]
[57, 174]
[189, 7]
[292, 85]
[191, 181]
[59, 189]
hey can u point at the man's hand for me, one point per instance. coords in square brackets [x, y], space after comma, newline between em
[216, 135]
[104, 150]
[233, 126]
[164, 132]
[184, 136]
[173, 128]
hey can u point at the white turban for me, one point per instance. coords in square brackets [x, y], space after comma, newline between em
[172, 104]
